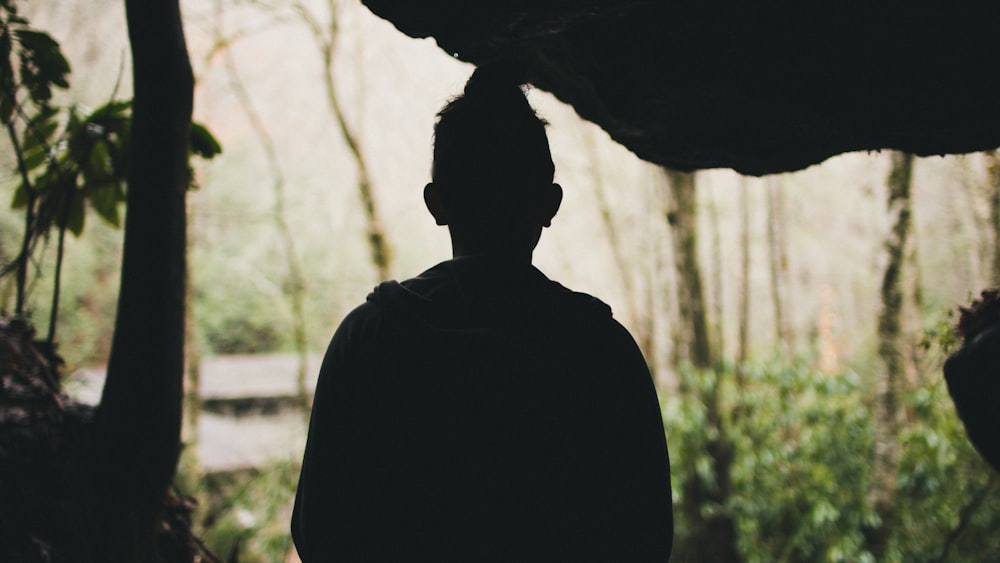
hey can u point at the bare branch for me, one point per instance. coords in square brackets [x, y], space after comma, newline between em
[965, 516]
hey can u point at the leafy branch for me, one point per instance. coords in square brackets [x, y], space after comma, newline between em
[67, 158]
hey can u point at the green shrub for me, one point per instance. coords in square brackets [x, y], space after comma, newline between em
[232, 319]
[802, 444]
[244, 513]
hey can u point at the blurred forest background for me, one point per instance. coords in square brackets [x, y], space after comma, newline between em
[795, 324]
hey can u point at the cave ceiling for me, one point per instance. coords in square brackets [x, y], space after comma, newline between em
[759, 87]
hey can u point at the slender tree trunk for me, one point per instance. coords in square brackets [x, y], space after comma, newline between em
[682, 216]
[887, 407]
[21, 274]
[829, 361]
[913, 322]
[379, 246]
[655, 311]
[625, 272]
[192, 383]
[993, 175]
[326, 39]
[711, 527]
[295, 288]
[778, 261]
[717, 338]
[138, 422]
[965, 516]
[193, 353]
[57, 283]
[5, 288]
[664, 285]
[744, 316]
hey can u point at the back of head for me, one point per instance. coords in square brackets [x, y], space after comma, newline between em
[490, 150]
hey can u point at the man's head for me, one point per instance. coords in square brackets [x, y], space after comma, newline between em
[492, 171]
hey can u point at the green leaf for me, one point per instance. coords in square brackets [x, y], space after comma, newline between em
[98, 168]
[44, 53]
[112, 119]
[77, 138]
[38, 89]
[35, 158]
[108, 126]
[115, 118]
[42, 64]
[49, 184]
[75, 218]
[115, 109]
[40, 129]
[203, 143]
[105, 199]
[73, 123]
[20, 198]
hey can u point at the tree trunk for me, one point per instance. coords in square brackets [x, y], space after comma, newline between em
[887, 408]
[743, 353]
[138, 422]
[993, 191]
[639, 324]
[295, 288]
[711, 528]
[717, 337]
[326, 40]
[23, 257]
[192, 382]
[778, 261]
[682, 216]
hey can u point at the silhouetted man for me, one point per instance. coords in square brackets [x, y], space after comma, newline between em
[481, 412]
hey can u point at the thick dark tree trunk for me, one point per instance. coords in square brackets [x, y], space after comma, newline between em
[138, 422]
[887, 406]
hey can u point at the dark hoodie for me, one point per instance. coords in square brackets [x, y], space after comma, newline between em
[973, 376]
[481, 412]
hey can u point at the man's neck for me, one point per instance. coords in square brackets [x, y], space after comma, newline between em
[509, 256]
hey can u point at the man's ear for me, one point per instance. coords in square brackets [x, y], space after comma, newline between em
[435, 204]
[551, 200]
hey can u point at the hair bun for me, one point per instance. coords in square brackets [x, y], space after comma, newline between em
[496, 76]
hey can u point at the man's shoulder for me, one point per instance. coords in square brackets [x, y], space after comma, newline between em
[467, 292]
[578, 301]
[360, 321]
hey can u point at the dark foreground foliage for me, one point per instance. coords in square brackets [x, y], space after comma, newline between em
[46, 467]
